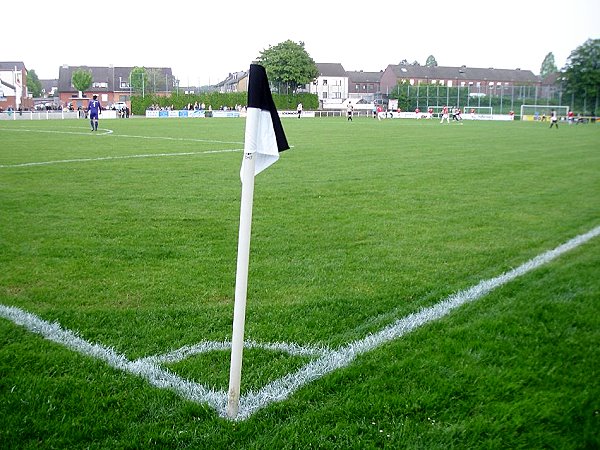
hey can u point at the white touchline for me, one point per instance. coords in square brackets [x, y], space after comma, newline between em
[104, 132]
[326, 360]
[108, 158]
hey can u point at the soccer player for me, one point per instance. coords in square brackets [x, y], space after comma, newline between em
[553, 119]
[94, 108]
[445, 115]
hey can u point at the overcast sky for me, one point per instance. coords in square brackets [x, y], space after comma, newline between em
[204, 40]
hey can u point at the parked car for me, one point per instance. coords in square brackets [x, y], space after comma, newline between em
[119, 106]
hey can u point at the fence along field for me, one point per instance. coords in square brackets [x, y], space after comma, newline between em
[393, 216]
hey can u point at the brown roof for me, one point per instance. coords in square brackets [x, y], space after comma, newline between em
[464, 73]
[10, 65]
[364, 77]
[331, 70]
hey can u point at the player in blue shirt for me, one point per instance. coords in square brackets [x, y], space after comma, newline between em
[94, 108]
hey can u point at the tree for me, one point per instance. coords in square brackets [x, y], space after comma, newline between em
[289, 64]
[82, 80]
[34, 86]
[431, 62]
[548, 66]
[138, 80]
[156, 81]
[581, 75]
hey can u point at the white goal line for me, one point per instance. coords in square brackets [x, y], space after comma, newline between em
[326, 361]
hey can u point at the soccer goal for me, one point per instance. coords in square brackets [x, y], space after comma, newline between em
[542, 112]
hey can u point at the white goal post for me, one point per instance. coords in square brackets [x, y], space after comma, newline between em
[542, 112]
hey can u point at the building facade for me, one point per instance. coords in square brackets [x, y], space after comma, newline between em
[331, 85]
[235, 82]
[482, 82]
[364, 85]
[13, 86]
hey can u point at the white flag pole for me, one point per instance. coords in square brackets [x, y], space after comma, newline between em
[241, 278]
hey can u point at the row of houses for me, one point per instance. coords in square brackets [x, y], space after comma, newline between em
[334, 84]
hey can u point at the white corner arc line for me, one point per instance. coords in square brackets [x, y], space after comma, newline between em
[282, 388]
[211, 346]
[155, 375]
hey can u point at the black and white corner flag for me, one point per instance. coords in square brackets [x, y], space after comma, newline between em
[264, 134]
[264, 140]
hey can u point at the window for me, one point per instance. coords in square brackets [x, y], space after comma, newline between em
[100, 84]
[324, 82]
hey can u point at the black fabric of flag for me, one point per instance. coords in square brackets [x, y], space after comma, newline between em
[259, 96]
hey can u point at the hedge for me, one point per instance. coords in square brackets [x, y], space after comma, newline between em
[217, 100]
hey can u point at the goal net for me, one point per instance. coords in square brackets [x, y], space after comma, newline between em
[542, 112]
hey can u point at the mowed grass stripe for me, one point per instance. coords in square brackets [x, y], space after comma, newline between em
[370, 227]
[360, 224]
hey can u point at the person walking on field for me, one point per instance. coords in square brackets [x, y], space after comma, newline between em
[553, 119]
[445, 115]
[94, 108]
[349, 111]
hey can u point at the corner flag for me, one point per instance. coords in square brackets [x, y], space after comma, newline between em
[264, 133]
[264, 140]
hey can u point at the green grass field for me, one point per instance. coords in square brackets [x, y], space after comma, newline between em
[128, 238]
